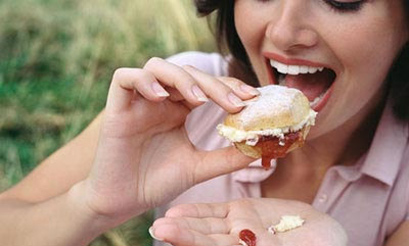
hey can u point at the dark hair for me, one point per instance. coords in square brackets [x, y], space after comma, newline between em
[399, 78]
[228, 41]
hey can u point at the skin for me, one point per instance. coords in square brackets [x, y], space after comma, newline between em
[126, 161]
[310, 30]
[313, 32]
[134, 165]
[219, 224]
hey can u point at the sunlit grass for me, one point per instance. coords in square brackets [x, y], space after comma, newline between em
[56, 61]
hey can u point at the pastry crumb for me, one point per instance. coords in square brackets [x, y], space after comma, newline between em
[287, 223]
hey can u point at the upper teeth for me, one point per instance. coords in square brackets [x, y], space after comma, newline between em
[294, 69]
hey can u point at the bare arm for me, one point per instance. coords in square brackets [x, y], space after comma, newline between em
[400, 237]
[127, 161]
[45, 199]
[60, 171]
[61, 220]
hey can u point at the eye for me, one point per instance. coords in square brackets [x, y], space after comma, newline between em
[345, 6]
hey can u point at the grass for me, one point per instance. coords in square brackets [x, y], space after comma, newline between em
[56, 61]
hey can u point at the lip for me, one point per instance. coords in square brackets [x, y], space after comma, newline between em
[319, 106]
[299, 62]
[292, 61]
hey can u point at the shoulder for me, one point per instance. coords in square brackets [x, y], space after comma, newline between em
[211, 63]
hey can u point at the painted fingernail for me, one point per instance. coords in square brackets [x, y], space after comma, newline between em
[151, 232]
[236, 101]
[249, 89]
[158, 89]
[199, 94]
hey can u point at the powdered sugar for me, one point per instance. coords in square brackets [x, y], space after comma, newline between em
[278, 97]
[274, 97]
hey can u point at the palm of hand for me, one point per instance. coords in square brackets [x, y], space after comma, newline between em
[144, 157]
[151, 134]
[142, 143]
[220, 224]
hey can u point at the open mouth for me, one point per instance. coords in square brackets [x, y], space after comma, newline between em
[314, 81]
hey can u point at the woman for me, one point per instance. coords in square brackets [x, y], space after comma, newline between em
[144, 155]
[354, 165]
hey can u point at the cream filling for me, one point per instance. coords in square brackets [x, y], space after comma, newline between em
[252, 137]
[287, 223]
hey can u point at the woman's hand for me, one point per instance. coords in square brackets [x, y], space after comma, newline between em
[144, 157]
[220, 224]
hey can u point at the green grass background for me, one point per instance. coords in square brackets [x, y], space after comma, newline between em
[56, 62]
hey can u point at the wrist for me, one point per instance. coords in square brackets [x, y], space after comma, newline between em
[95, 222]
[103, 212]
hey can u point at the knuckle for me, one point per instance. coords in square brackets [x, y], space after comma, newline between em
[120, 73]
[129, 74]
[153, 61]
[231, 82]
[236, 81]
[188, 67]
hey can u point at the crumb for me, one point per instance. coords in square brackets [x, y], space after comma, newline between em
[287, 223]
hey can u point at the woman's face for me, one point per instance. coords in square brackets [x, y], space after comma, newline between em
[337, 52]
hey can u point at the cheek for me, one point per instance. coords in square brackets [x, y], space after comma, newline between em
[367, 51]
[249, 24]
[365, 55]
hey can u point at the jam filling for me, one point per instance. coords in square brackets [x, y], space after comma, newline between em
[274, 147]
[248, 237]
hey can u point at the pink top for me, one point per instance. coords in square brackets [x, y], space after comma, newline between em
[370, 199]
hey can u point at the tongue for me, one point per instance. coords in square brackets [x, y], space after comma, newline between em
[312, 85]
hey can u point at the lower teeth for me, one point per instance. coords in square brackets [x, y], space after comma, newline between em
[317, 99]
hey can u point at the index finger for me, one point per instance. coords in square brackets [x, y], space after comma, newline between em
[125, 84]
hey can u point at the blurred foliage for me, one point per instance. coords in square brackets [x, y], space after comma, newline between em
[56, 61]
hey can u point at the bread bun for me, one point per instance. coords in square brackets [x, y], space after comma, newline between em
[270, 125]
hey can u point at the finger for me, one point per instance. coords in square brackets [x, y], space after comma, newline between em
[206, 225]
[180, 236]
[243, 90]
[174, 76]
[228, 95]
[219, 162]
[126, 81]
[201, 210]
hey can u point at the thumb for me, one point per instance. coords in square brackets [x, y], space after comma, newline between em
[219, 162]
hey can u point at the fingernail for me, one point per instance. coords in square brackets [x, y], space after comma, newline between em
[236, 101]
[199, 94]
[248, 89]
[151, 232]
[158, 89]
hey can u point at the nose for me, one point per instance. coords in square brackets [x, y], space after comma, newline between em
[290, 27]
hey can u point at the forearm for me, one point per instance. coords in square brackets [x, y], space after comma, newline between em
[59, 221]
